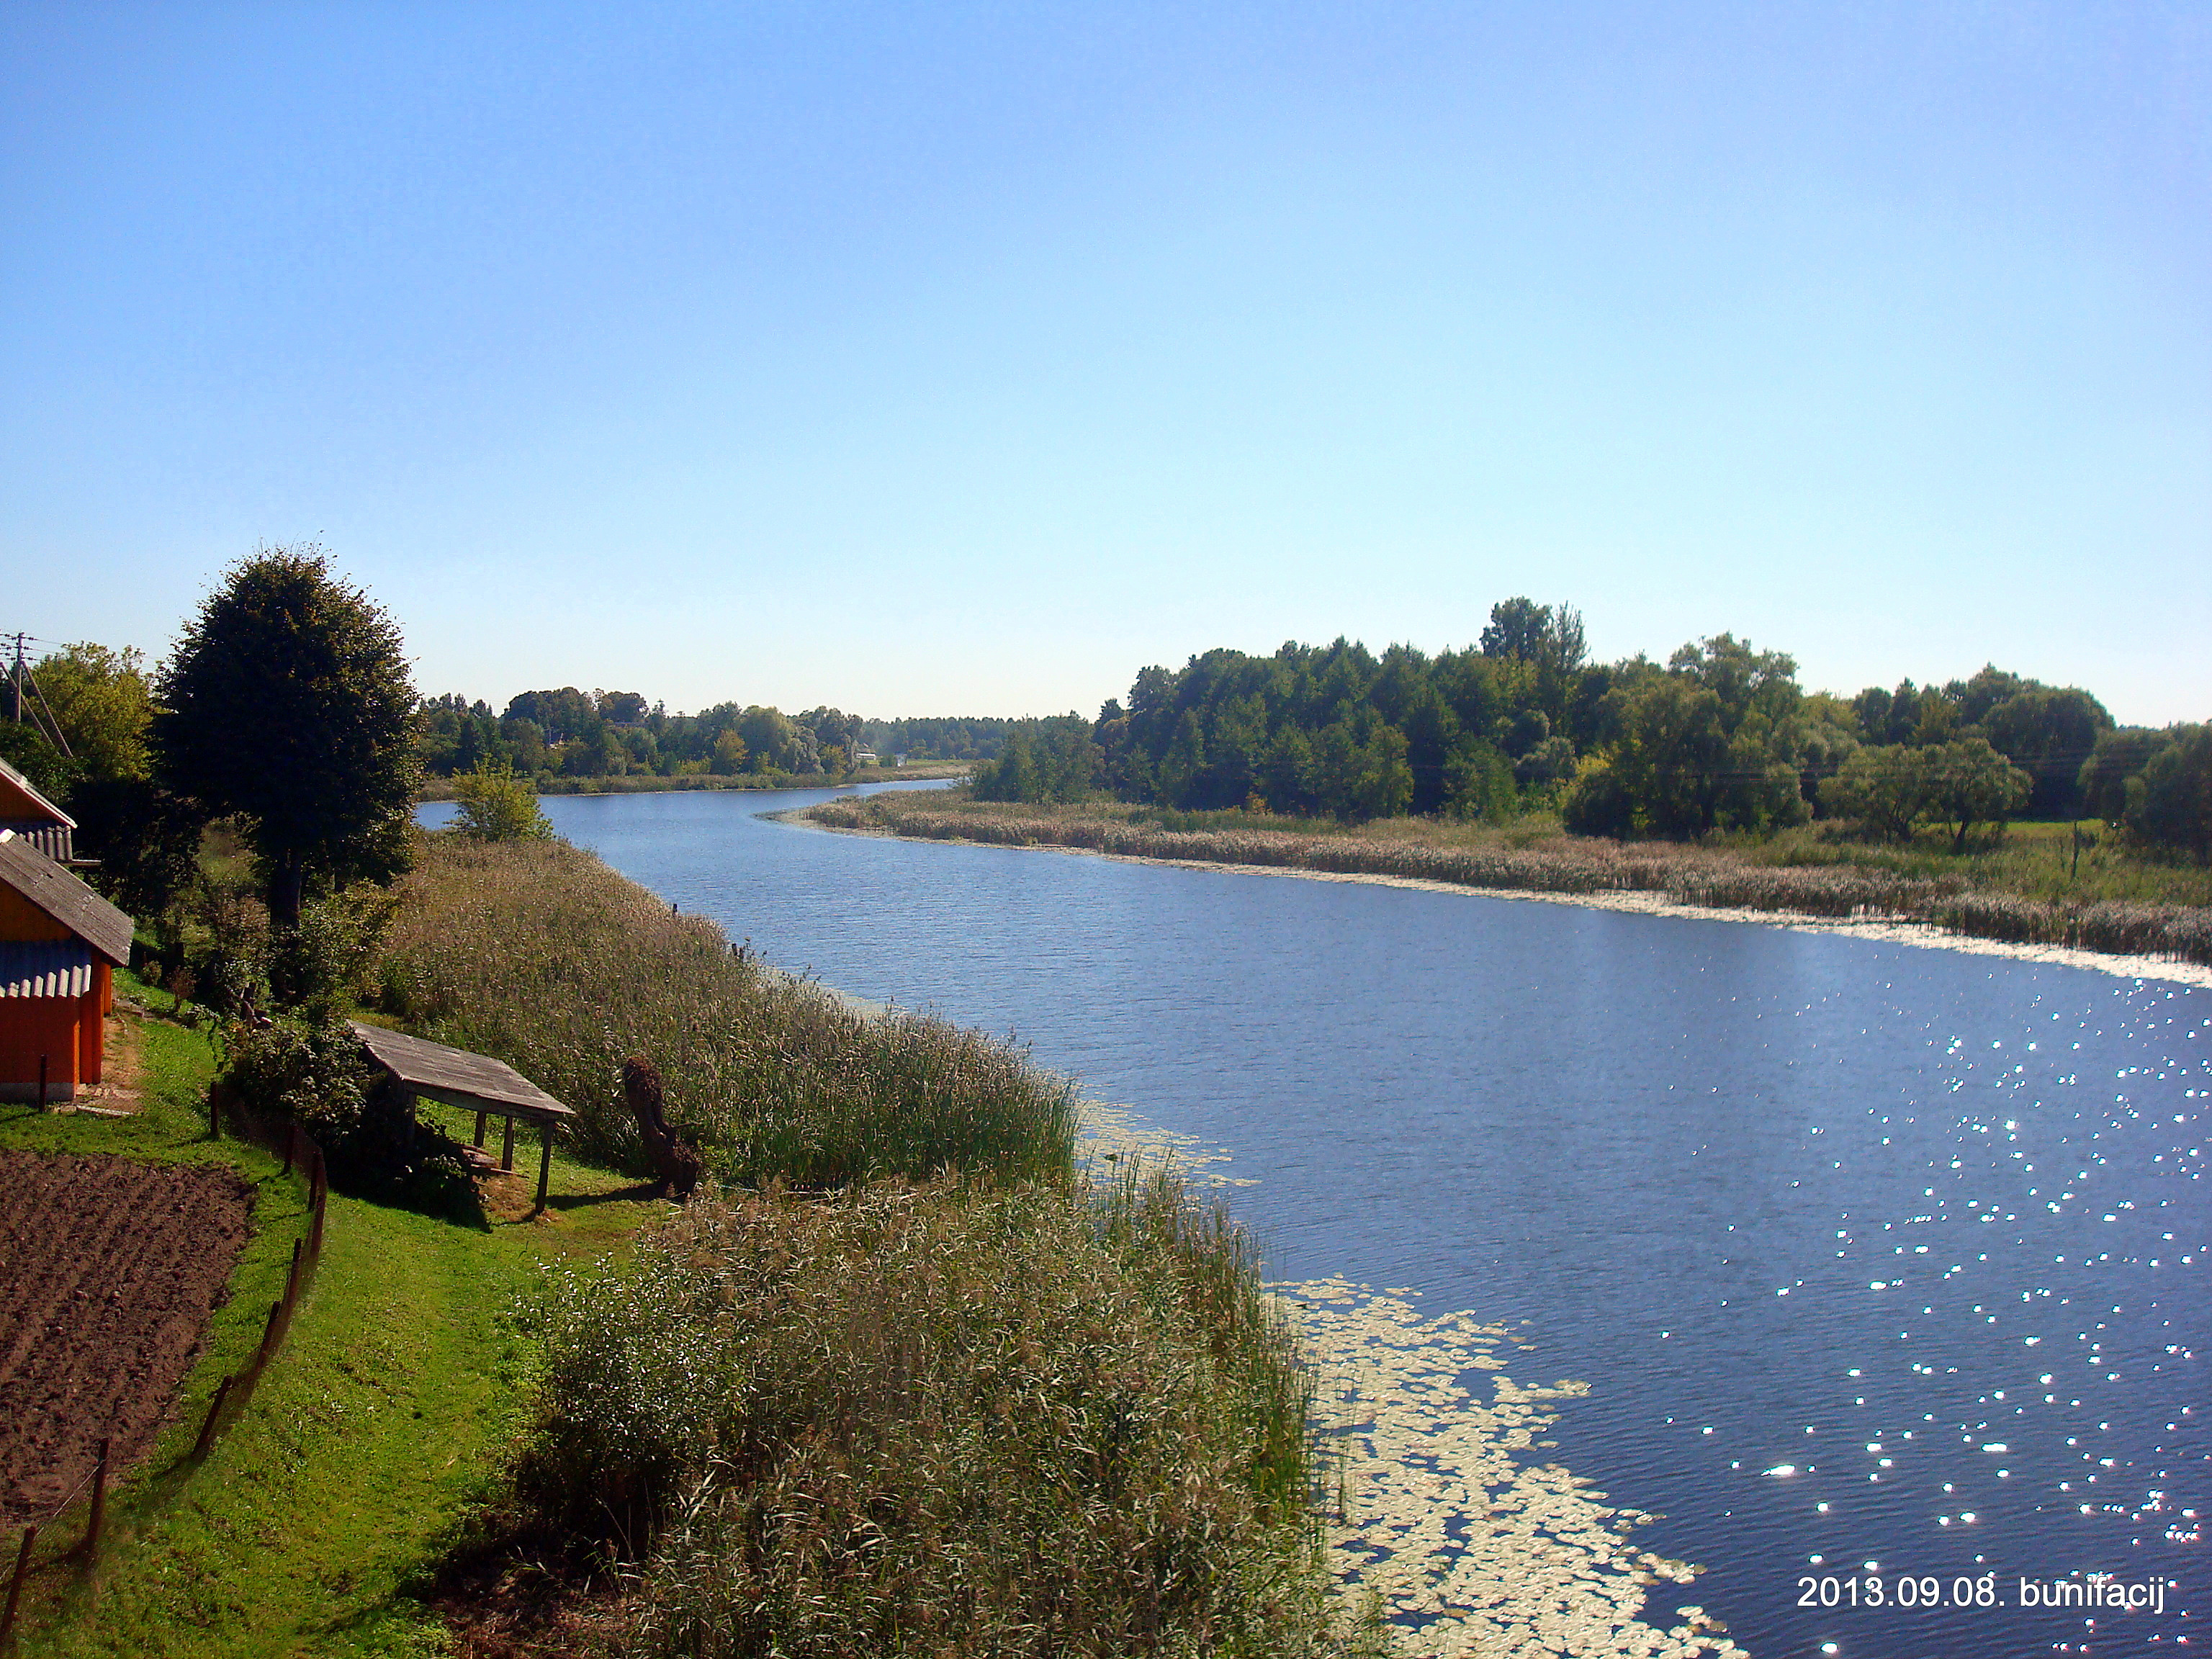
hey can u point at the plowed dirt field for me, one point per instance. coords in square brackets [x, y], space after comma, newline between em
[108, 1271]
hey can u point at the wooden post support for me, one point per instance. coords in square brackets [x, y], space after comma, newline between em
[15, 1583]
[506, 1145]
[544, 1163]
[215, 1415]
[292, 1280]
[98, 1517]
[482, 1118]
[269, 1333]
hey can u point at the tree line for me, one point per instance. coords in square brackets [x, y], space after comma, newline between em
[567, 732]
[1719, 737]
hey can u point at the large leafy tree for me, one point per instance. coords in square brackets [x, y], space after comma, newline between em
[2049, 733]
[288, 704]
[1970, 783]
[2170, 804]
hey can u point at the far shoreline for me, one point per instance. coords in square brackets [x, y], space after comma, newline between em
[436, 791]
[1922, 935]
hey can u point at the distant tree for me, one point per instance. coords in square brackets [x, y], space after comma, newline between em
[1550, 762]
[2119, 754]
[1479, 780]
[774, 743]
[562, 715]
[30, 750]
[1883, 789]
[1041, 760]
[1693, 750]
[1519, 628]
[1970, 783]
[102, 701]
[1990, 686]
[620, 707]
[2170, 804]
[494, 805]
[2049, 732]
[288, 704]
[1938, 722]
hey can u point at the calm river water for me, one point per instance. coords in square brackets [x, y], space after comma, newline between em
[1870, 1254]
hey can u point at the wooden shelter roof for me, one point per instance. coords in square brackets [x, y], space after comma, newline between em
[476, 1083]
[20, 801]
[48, 887]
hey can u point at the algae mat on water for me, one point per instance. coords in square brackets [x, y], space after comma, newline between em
[1473, 1547]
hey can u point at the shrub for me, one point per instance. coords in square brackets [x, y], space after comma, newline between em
[313, 1072]
[494, 805]
[938, 1420]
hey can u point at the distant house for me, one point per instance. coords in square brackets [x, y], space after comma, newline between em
[863, 758]
[33, 817]
[60, 943]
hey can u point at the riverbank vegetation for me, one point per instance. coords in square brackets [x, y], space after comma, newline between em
[537, 952]
[2036, 888]
[914, 1387]
[1720, 739]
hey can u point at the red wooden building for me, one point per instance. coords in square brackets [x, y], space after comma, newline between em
[60, 943]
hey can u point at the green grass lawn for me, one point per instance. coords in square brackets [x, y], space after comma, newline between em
[372, 1436]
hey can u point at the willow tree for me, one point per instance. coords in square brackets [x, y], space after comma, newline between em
[288, 704]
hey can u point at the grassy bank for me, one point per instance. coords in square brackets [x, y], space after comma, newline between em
[312, 1527]
[2109, 901]
[649, 783]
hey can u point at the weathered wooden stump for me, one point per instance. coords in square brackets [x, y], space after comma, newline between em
[676, 1163]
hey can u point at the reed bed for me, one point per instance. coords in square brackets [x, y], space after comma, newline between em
[538, 953]
[939, 1420]
[1712, 878]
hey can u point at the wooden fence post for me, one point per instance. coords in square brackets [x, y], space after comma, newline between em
[215, 1413]
[15, 1583]
[91, 1526]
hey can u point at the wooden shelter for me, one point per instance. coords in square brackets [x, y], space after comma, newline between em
[475, 1083]
[31, 816]
[60, 944]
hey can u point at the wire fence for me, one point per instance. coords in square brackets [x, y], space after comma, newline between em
[302, 1161]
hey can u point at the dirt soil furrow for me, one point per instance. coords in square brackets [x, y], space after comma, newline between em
[109, 1270]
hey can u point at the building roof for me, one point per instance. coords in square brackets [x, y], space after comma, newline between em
[476, 1082]
[48, 887]
[20, 799]
[45, 967]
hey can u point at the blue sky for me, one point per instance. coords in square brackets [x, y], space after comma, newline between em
[964, 358]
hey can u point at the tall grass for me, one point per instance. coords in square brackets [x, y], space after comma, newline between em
[538, 953]
[1944, 893]
[960, 1404]
[945, 1419]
